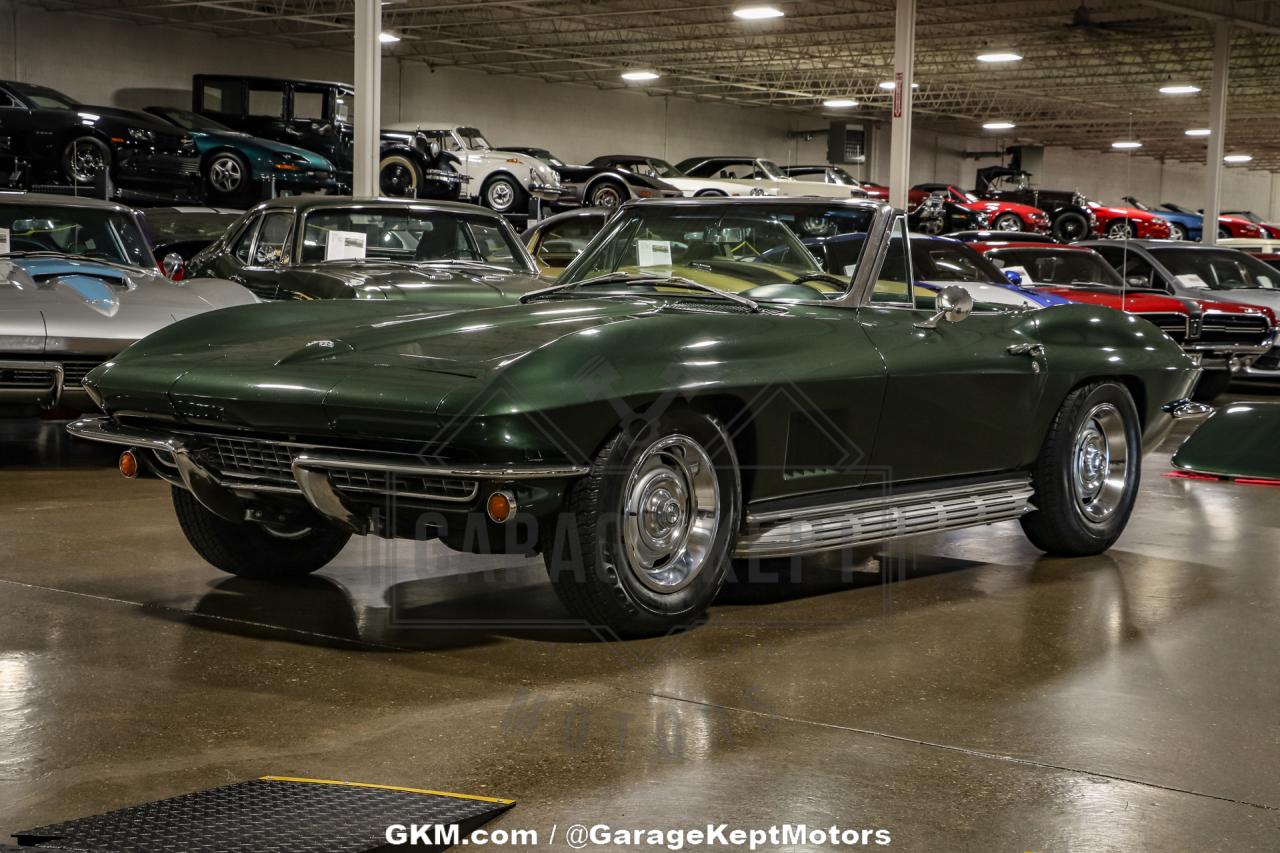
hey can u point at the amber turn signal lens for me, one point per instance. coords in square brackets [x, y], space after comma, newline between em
[501, 506]
[128, 464]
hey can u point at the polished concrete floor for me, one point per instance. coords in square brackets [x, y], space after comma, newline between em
[974, 696]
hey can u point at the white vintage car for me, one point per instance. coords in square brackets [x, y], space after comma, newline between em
[766, 174]
[500, 180]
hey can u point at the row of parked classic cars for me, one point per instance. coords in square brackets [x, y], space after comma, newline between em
[652, 396]
[246, 138]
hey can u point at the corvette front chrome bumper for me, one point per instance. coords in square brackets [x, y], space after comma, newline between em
[331, 480]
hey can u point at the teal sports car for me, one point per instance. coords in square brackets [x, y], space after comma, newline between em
[238, 167]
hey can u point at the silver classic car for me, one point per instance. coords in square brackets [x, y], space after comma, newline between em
[78, 284]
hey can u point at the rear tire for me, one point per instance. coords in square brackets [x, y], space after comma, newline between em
[1177, 232]
[1121, 230]
[1211, 385]
[1086, 477]
[1070, 226]
[84, 159]
[249, 550]
[645, 542]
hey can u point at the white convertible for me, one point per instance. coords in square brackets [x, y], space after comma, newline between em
[766, 174]
[500, 180]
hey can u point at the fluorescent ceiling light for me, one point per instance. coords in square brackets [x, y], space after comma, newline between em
[1179, 89]
[999, 56]
[998, 125]
[888, 85]
[388, 38]
[757, 13]
[1237, 158]
[1126, 143]
[640, 75]
[1198, 131]
[840, 103]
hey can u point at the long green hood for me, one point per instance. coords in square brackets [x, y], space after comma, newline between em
[382, 369]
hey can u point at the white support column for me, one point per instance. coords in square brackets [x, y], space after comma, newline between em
[368, 77]
[1217, 132]
[904, 54]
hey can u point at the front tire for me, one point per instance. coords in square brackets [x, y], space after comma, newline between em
[607, 194]
[227, 176]
[1086, 477]
[1008, 222]
[250, 550]
[1177, 232]
[1120, 230]
[503, 194]
[646, 541]
[1070, 226]
[399, 177]
[85, 159]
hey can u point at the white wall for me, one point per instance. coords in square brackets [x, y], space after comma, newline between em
[108, 62]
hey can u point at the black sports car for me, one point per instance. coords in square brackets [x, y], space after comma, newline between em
[598, 184]
[48, 137]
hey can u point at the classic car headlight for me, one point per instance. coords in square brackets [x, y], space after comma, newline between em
[137, 134]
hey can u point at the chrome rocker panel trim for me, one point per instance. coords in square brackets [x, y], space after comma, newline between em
[786, 533]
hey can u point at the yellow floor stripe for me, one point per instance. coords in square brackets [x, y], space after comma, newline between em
[497, 800]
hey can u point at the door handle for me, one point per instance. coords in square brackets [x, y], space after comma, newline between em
[1033, 350]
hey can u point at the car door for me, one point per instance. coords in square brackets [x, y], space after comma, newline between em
[959, 396]
[242, 262]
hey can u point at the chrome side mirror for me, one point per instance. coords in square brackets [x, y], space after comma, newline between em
[954, 304]
[173, 266]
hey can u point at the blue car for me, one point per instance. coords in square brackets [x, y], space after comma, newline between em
[1183, 224]
[241, 169]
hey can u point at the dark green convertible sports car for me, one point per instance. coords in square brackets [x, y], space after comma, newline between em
[697, 388]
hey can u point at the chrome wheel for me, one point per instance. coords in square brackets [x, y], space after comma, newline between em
[1008, 222]
[500, 195]
[1176, 232]
[1100, 463]
[671, 510]
[226, 174]
[86, 160]
[1120, 231]
[607, 197]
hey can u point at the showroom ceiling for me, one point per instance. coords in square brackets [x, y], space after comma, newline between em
[1089, 75]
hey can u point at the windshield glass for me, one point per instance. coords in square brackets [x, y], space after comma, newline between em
[1218, 269]
[651, 168]
[943, 260]
[474, 139]
[735, 248]
[771, 170]
[167, 226]
[105, 234]
[344, 107]
[44, 98]
[401, 234]
[840, 176]
[1057, 266]
[188, 120]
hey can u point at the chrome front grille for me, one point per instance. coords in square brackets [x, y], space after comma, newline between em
[241, 461]
[251, 458]
[1234, 328]
[403, 485]
[75, 370]
[1173, 325]
[27, 378]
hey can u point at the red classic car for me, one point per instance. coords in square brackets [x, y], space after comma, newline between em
[1119, 223]
[998, 215]
[1082, 275]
